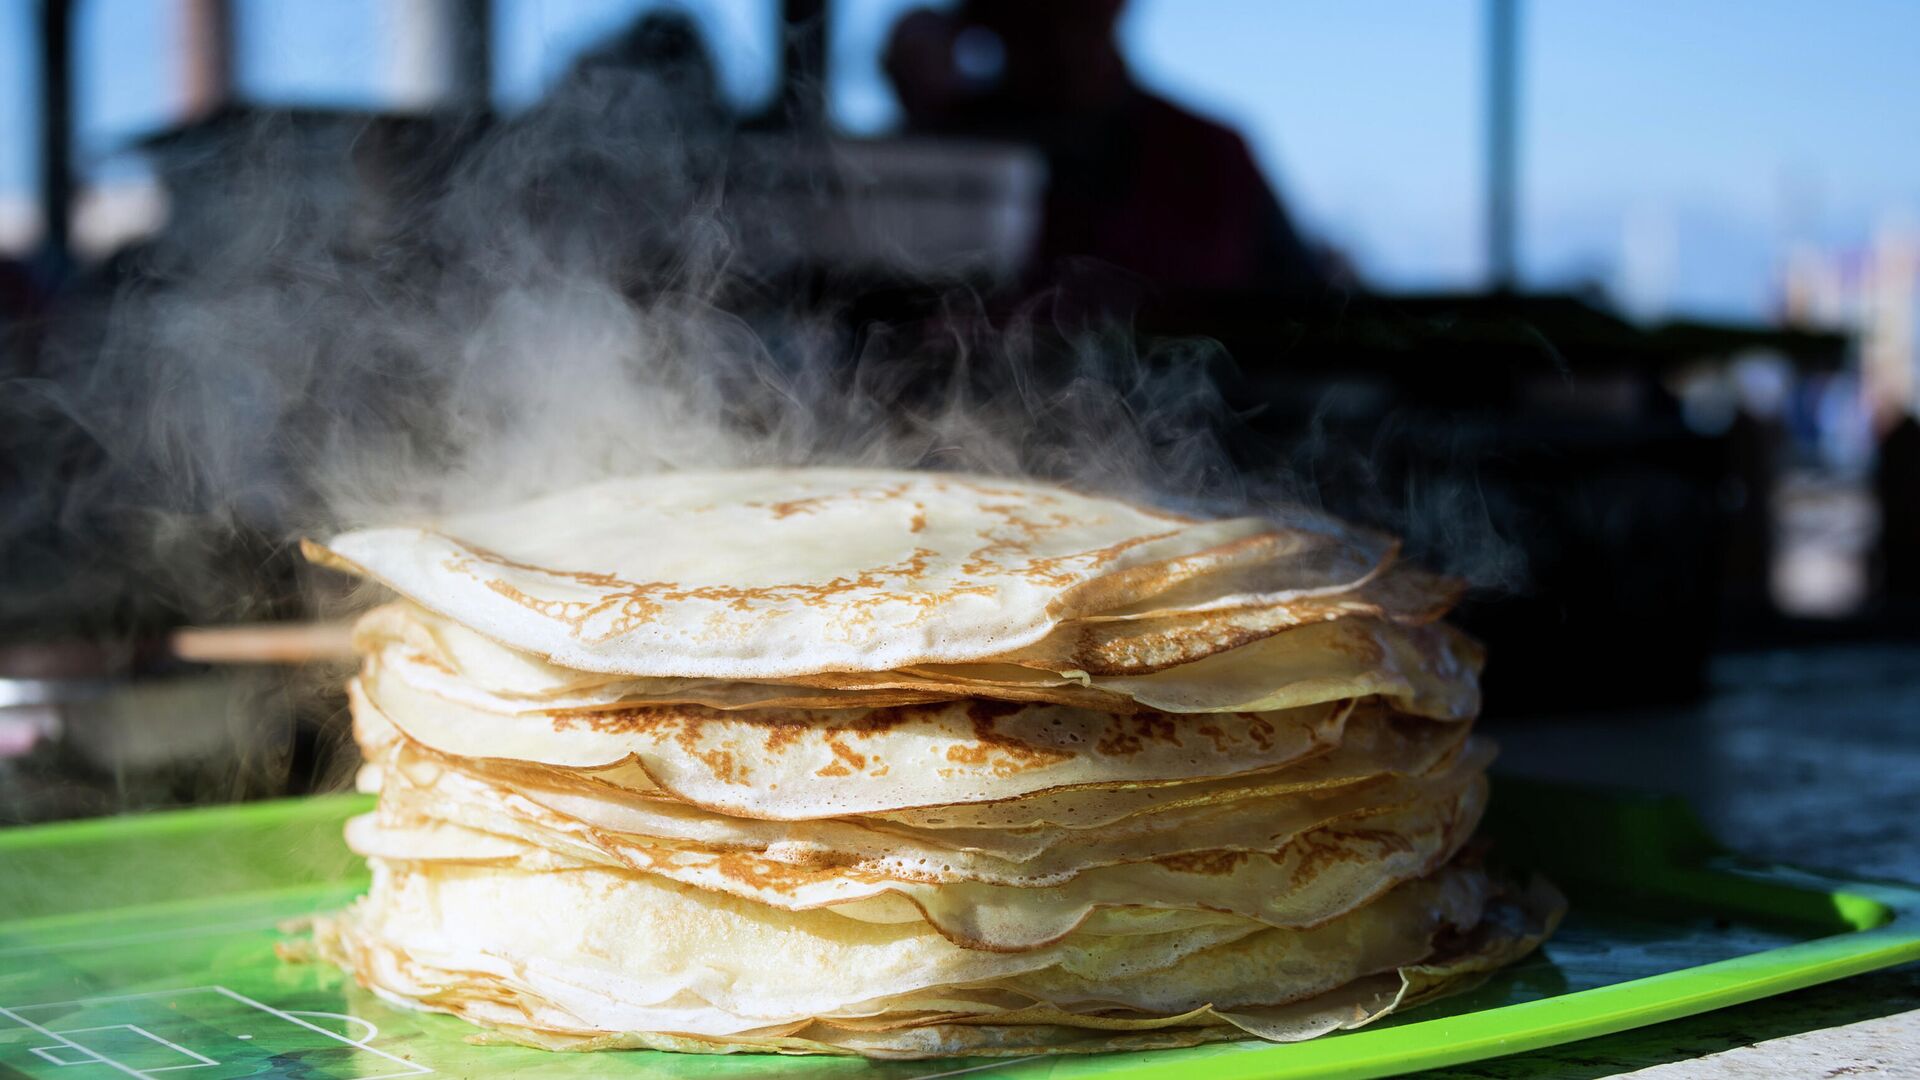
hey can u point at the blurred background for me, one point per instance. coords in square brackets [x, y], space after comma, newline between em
[1612, 307]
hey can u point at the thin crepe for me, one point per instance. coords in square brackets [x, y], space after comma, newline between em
[622, 952]
[1351, 647]
[768, 573]
[1305, 878]
[981, 1020]
[796, 764]
[1227, 814]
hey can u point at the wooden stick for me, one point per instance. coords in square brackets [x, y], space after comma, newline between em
[265, 643]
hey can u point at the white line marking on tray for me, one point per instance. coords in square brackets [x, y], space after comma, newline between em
[410, 1068]
[64, 1041]
[201, 1061]
[371, 1034]
[413, 1068]
[46, 1053]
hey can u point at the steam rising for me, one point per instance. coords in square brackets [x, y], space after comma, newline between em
[345, 325]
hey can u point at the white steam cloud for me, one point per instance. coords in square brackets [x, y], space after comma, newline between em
[349, 324]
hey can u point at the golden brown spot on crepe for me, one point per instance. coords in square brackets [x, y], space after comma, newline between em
[809, 504]
[427, 659]
[996, 750]
[1040, 497]
[1128, 735]
[781, 736]
[1017, 536]
[785, 728]
[1318, 850]
[721, 764]
[1220, 739]
[1103, 649]
[638, 720]
[847, 760]
[633, 610]
[677, 722]
[813, 867]
[1211, 863]
[633, 855]
[781, 729]
[919, 522]
[766, 873]
[1259, 729]
[1048, 570]
[847, 754]
[1007, 543]
[793, 506]
[874, 721]
[627, 605]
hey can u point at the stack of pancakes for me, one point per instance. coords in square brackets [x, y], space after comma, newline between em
[911, 764]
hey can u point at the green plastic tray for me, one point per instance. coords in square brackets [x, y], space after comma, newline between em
[144, 947]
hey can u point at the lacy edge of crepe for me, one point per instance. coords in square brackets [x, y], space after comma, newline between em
[1202, 809]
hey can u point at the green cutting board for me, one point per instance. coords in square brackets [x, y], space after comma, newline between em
[145, 947]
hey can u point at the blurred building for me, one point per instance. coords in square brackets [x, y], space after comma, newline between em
[1871, 291]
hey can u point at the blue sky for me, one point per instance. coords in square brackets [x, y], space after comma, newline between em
[1728, 127]
[1713, 131]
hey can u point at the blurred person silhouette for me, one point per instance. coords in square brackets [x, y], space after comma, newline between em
[666, 47]
[1135, 181]
[621, 164]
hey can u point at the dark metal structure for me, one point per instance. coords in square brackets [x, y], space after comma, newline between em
[1503, 144]
[803, 71]
[56, 125]
[473, 52]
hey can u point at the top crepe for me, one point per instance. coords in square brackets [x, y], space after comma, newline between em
[775, 573]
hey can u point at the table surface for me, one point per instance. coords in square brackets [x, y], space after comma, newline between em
[1805, 756]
